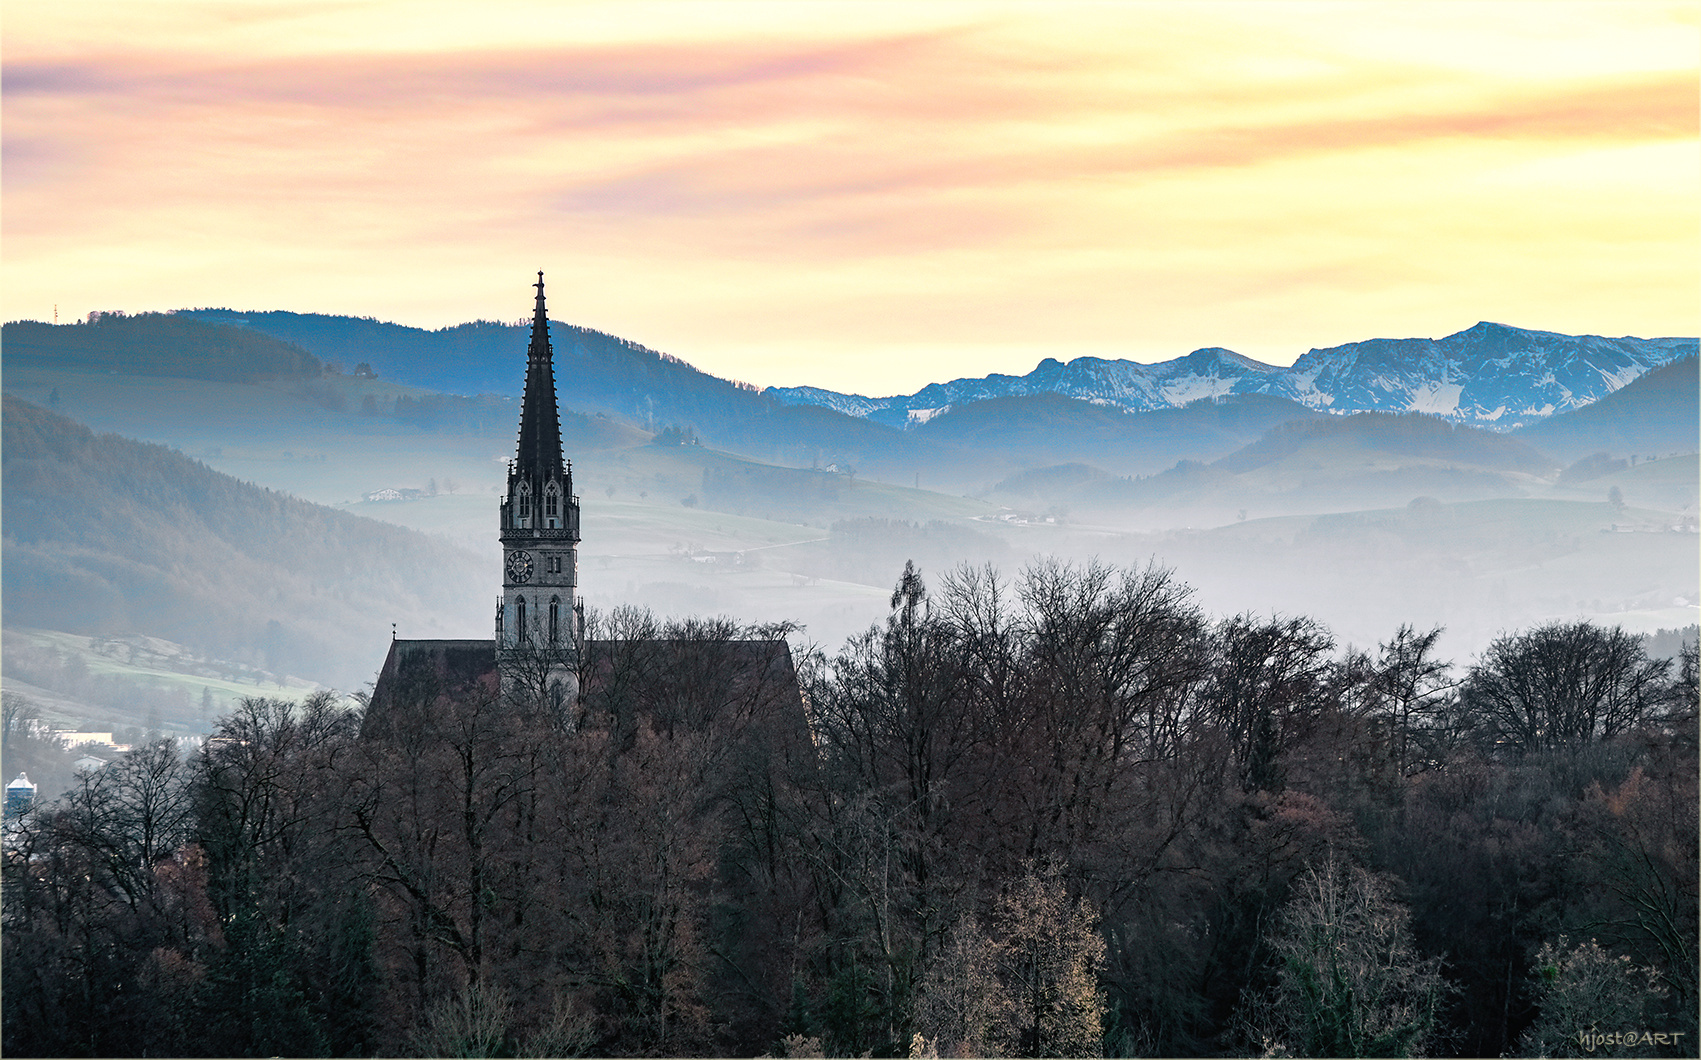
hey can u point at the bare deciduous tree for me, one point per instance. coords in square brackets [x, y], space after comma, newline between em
[1560, 686]
[1348, 982]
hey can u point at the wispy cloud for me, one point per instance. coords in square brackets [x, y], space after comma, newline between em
[942, 172]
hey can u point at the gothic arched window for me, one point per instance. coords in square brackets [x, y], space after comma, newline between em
[520, 619]
[554, 619]
[525, 500]
[552, 500]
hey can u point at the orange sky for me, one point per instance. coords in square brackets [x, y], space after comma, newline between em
[865, 196]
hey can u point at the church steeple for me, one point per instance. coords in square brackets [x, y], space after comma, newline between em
[539, 454]
[540, 482]
[537, 616]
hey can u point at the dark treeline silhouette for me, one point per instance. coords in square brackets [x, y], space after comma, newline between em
[1065, 814]
[160, 344]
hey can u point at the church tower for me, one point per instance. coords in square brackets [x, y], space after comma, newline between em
[538, 616]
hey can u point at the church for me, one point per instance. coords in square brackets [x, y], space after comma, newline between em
[539, 660]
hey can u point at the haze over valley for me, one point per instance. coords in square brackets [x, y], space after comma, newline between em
[704, 496]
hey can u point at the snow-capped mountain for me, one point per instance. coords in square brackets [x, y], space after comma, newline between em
[1487, 375]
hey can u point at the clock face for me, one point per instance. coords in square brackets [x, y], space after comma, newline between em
[519, 567]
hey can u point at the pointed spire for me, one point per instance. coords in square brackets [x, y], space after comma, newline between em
[540, 319]
[539, 455]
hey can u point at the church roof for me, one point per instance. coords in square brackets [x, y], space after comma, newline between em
[674, 682]
[539, 454]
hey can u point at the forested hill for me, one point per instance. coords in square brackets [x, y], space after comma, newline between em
[597, 372]
[1406, 434]
[159, 344]
[473, 358]
[486, 357]
[1657, 414]
[104, 535]
[1052, 428]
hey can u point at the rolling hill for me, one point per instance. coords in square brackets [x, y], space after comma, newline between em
[1657, 414]
[1410, 435]
[1315, 464]
[104, 535]
[159, 344]
[1037, 430]
[597, 372]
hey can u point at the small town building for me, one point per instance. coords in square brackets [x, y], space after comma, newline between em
[20, 793]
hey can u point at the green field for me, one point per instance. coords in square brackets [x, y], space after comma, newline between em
[1672, 483]
[159, 683]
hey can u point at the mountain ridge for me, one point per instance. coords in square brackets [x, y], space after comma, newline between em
[1489, 374]
[1472, 378]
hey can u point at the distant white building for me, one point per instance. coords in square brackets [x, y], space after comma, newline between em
[407, 493]
[103, 740]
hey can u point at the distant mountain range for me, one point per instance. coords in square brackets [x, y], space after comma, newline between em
[1123, 417]
[1488, 375]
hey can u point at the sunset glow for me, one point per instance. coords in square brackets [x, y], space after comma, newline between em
[866, 197]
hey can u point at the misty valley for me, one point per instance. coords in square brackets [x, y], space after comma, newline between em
[707, 497]
[1119, 682]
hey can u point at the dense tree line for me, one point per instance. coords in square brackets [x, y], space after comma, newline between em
[1065, 814]
[160, 344]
